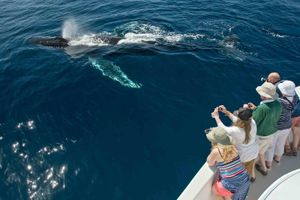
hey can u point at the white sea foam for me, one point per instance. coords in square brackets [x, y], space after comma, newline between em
[88, 40]
[277, 35]
[152, 37]
[273, 34]
[141, 32]
[133, 33]
[114, 72]
[132, 38]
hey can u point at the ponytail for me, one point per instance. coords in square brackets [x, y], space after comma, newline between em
[246, 125]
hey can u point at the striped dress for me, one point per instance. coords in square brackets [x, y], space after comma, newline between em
[234, 178]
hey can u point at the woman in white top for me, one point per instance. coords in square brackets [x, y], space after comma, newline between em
[243, 134]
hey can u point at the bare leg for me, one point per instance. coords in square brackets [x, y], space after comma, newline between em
[296, 135]
[287, 147]
[216, 196]
[262, 161]
[250, 168]
[262, 167]
[253, 171]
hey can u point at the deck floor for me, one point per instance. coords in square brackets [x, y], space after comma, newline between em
[287, 164]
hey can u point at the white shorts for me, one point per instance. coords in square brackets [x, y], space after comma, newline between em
[277, 148]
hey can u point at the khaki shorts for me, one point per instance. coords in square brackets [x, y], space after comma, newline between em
[264, 142]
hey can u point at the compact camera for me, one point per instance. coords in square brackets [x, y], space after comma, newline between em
[263, 79]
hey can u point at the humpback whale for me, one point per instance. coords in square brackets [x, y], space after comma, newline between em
[133, 38]
[60, 42]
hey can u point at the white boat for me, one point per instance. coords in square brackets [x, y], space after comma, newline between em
[285, 187]
[200, 186]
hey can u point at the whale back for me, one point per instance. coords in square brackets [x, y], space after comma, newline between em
[110, 39]
[56, 42]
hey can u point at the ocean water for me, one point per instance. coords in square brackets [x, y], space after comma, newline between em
[126, 121]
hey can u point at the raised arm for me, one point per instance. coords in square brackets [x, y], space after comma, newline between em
[229, 130]
[226, 112]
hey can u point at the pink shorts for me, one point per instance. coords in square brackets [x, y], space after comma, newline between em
[296, 122]
[221, 190]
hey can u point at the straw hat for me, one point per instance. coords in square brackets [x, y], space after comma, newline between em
[218, 135]
[267, 90]
[287, 88]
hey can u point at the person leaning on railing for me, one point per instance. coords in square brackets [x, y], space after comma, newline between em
[233, 180]
[243, 133]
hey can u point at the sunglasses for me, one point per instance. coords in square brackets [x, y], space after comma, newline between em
[206, 131]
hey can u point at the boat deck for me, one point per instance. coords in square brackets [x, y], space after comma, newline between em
[200, 186]
[287, 164]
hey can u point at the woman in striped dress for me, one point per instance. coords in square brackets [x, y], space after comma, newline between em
[233, 181]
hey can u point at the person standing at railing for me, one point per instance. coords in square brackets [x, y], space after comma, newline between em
[233, 180]
[296, 130]
[274, 78]
[288, 102]
[243, 133]
[291, 149]
[266, 116]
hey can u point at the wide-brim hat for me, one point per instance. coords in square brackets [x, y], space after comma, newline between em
[287, 88]
[267, 90]
[218, 135]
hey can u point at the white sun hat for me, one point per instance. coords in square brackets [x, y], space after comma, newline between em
[287, 88]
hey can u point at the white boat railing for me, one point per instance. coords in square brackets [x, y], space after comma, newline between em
[200, 186]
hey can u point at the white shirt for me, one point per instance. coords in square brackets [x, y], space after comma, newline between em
[248, 151]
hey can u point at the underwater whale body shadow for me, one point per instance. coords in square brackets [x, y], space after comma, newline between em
[79, 48]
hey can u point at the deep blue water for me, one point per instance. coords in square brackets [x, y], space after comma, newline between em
[127, 121]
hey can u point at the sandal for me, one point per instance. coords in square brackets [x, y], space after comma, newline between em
[258, 168]
[294, 152]
[287, 151]
[252, 179]
[277, 161]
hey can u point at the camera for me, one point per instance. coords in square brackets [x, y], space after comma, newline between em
[220, 109]
[263, 79]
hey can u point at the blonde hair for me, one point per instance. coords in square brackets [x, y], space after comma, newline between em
[227, 152]
[246, 125]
